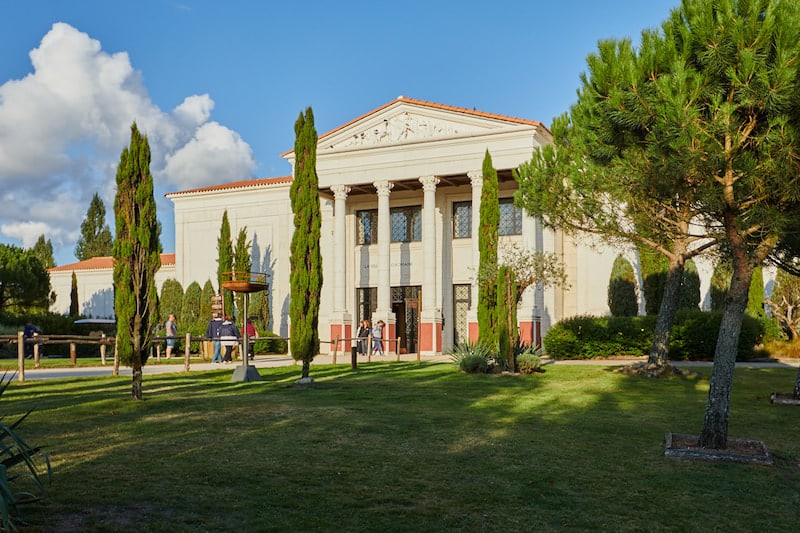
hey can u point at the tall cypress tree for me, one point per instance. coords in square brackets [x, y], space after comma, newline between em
[487, 247]
[74, 306]
[95, 239]
[305, 278]
[242, 262]
[225, 262]
[136, 257]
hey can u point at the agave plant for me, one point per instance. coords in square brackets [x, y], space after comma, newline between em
[472, 358]
[22, 481]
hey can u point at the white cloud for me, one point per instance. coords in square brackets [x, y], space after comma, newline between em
[63, 126]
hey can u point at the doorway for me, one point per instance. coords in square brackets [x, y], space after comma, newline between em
[405, 306]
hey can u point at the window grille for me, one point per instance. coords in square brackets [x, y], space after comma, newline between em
[510, 218]
[462, 220]
[406, 224]
[462, 299]
[367, 221]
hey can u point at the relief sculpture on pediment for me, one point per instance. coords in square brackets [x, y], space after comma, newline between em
[400, 128]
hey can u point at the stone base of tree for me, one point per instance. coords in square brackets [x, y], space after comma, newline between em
[649, 370]
[305, 381]
[681, 446]
[784, 398]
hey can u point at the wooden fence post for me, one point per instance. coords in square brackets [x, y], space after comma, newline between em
[20, 356]
[116, 359]
[186, 352]
[103, 349]
[73, 353]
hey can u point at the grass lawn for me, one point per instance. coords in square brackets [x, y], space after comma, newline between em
[404, 447]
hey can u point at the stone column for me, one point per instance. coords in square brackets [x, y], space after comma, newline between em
[384, 307]
[430, 315]
[341, 321]
[476, 179]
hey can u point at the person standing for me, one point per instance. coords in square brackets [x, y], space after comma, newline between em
[229, 337]
[212, 332]
[29, 332]
[363, 335]
[251, 334]
[172, 333]
[377, 337]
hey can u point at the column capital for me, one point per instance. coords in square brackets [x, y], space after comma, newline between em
[429, 183]
[383, 187]
[340, 192]
[475, 177]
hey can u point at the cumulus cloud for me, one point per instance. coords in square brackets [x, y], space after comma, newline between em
[63, 126]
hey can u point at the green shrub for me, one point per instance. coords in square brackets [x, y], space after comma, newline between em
[528, 363]
[276, 345]
[622, 300]
[473, 358]
[694, 336]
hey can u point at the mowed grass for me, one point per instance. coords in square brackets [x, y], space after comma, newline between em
[404, 447]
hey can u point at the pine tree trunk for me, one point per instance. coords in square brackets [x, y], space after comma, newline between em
[659, 351]
[306, 368]
[715, 423]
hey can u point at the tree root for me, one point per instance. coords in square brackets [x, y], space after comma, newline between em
[654, 370]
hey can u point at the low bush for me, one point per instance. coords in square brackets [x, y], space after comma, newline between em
[529, 363]
[694, 336]
[274, 345]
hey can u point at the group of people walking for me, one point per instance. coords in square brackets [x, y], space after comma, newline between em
[222, 332]
[372, 335]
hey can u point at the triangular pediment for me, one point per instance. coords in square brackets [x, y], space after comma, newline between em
[409, 121]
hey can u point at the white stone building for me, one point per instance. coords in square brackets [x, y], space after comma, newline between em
[400, 190]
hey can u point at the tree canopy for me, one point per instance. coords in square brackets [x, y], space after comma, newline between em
[695, 135]
[24, 283]
[95, 239]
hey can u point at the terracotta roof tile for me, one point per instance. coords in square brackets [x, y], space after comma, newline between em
[244, 184]
[104, 262]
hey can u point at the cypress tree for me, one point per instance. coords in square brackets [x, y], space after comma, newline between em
[506, 328]
[242, 262]
[136, 257]
[305, 278]
[487, 247]
[622, 299]
[225, 262]
[74, 306]
[171, 298]
[690, 288]
[95, 239]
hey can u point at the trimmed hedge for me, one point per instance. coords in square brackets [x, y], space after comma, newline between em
[694, 336]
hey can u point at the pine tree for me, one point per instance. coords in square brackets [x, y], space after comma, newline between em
[43, 249]
[305, 278]
[95, 239]
[487, 247]
[225, 262]
[74, 305]
[136, 257]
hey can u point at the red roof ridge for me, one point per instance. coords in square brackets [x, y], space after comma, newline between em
[104, 262]
[242, 184]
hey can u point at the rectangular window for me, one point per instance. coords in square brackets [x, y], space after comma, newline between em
[367, 230]
[406, 224]
[510, 218]
[462, 220]
[367, 303]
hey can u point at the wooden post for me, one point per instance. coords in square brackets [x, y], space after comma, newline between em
[186, 352]
[73, 353]
[36, 355]
[418, 351]
[103, 349]
[335, 348]
[397, 349]
[20, 356]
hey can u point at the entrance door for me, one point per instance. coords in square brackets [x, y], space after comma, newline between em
[406, 316]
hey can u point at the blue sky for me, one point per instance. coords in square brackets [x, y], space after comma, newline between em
[217, 86]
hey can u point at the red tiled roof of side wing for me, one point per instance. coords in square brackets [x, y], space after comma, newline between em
[434, 105]
[99, 263]
[244, 184]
